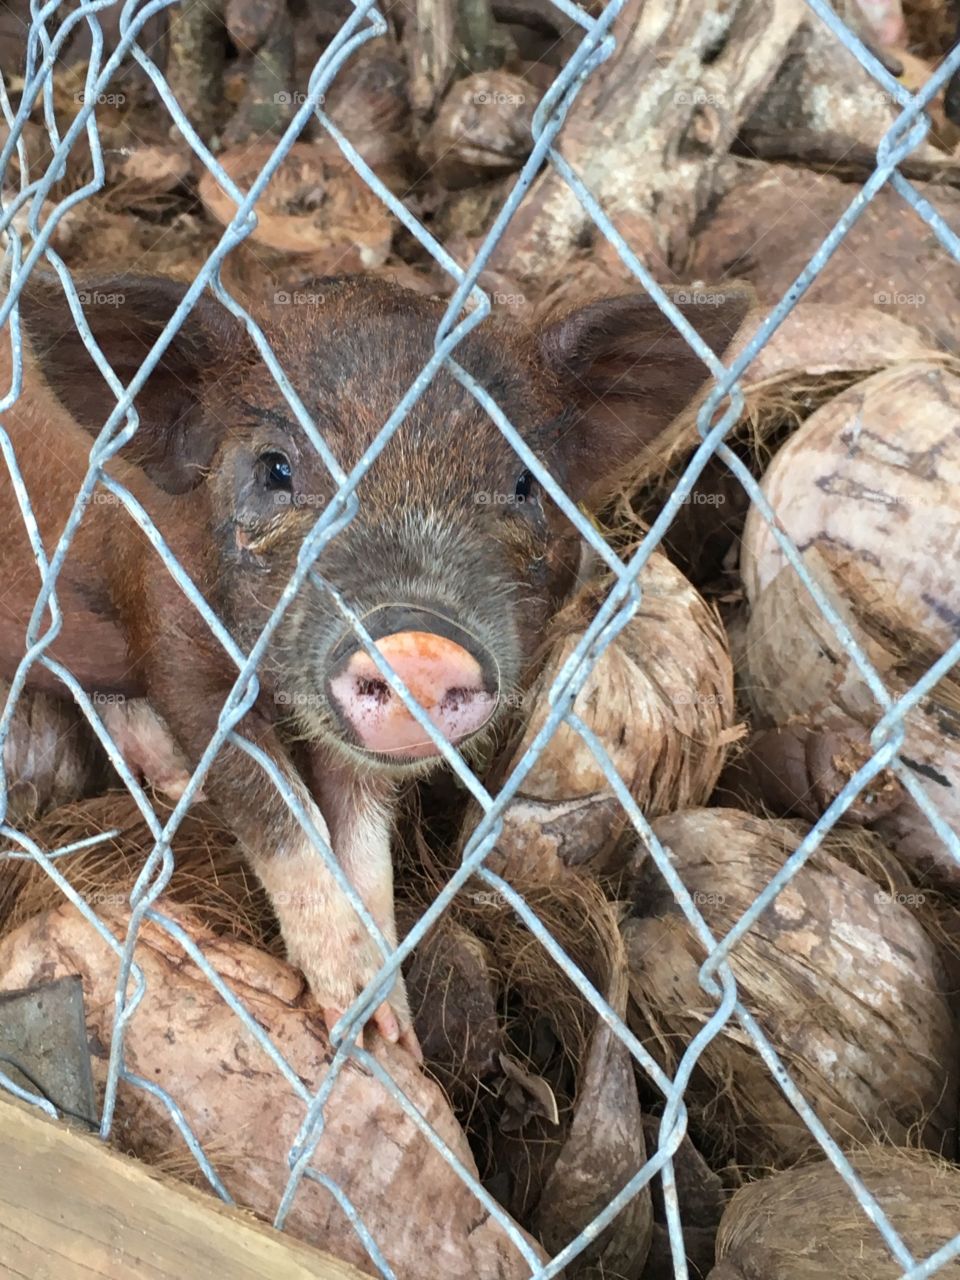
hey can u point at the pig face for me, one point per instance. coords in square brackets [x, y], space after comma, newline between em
[455, 559]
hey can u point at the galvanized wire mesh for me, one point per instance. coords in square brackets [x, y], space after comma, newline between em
[48, 31]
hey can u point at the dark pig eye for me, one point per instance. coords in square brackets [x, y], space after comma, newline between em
[526, 486]
[277, 469]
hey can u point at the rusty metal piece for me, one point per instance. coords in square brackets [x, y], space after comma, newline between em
[43, 1046]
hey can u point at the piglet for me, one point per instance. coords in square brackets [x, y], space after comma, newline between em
[455, 562]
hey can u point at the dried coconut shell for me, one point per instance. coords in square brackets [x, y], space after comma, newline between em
[879, 521]
[368, 102]
[817, 352]
[826, 109]
[249, 22]
[794, 771]
[315, 205]
[798, 674]
[838, 971]
[90, 236]
[464, 218]
[890, 258]
[453, 998]
[425, 1219]
[701, 1196]
[143, 179]
[509, 1037]
[660, 699]
[806, 1223]
[483, 129]
[568, 836]
[889, 502]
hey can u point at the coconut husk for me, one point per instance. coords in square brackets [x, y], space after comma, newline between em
[511, 1040]
[851, 451]
[554, 840]
[76, 47]
[142, 174]
[604, 1147]
[701, 1197]
[825, 109]
[51, 756]
[316, 206]
[89, 235]
[368, 102]
[806, 1223]
[838, 971]
[422, 1215]
[794, 771]
[799, 673]
[210, 876]
[889, 258]
[931, 27]
[453, 999]
[819, 350]
[552, 1108]
[482, 130]
[249, 22]
[660, 699]
[463, 219]
[879, 526]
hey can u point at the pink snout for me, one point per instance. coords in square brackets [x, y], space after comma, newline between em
[441, 675]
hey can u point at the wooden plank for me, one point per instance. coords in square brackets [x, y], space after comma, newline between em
[72, 1209]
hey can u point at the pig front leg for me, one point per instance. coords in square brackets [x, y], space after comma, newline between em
[360, 811]
[323, 934]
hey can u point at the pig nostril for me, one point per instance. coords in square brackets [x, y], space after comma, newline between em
[455, 699]
[374, 688]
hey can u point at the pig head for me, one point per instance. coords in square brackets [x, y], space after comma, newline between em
[455, 560]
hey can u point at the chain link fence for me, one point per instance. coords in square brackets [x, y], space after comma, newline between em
[467, 308]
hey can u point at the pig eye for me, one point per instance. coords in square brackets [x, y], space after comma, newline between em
[526, 486]
[277, 470]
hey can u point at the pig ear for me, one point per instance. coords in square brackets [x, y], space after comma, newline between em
[177, 435]
[630, 373]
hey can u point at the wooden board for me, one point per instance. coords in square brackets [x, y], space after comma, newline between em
[72, 1209]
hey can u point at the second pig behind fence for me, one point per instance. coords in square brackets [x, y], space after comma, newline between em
[455, 561]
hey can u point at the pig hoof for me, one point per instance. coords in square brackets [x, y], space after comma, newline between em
[391, 1019]
[386, 1022]
[408, 1040]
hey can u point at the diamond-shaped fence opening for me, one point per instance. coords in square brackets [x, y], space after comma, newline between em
[30, 218]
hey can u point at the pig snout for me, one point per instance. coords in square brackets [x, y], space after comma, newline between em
[446, 670]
